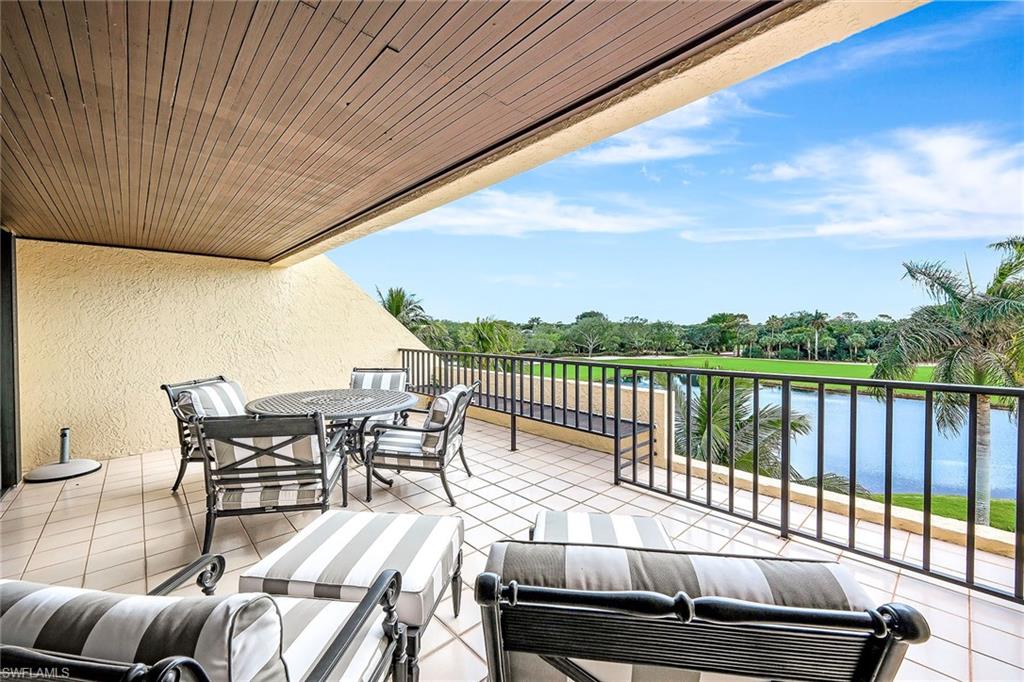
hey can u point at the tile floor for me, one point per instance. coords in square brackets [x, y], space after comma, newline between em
[120, 529]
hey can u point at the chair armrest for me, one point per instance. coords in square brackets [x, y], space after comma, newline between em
[377, 428]
[209, 568]
[383, 592]
[902, 621]
[33, 664]
[420, 410]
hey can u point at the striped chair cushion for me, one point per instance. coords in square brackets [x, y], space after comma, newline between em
[235, 638]
[437, 414]
[305, 449]
[339, 555]
[310, 625]
[780, 581]
[786, 582]
[404, 449]
[387, 380]
[215, 399]
[584, 528]
[265, 492]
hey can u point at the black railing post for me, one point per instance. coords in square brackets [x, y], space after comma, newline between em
[926, 540]
[513, 410]
[617, 424]
[1018, 556]
[887, 517]
[972, 482]
[784, 474]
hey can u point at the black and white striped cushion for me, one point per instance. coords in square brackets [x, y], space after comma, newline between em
[339, 555]
[786, 582]
[593, 528]
[769, 580]
[437, 414]
[213, 399]
[266, 492]
[390, 381]
[310, 625]
[235, 638]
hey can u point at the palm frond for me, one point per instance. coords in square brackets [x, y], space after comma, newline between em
[941, 283]
[1012, 263]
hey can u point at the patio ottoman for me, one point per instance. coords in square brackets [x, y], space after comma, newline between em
[593, 528]
[339, 555]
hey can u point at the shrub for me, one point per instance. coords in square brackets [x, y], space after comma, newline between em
[789, 354]
[754, 351]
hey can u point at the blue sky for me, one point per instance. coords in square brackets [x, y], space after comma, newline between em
[803, 188]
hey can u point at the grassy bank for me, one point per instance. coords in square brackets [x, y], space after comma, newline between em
[1002, 515]
[841, 370]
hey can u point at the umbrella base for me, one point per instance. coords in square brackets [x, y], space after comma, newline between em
[62, 470]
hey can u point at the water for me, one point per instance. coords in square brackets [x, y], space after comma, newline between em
[949, 450]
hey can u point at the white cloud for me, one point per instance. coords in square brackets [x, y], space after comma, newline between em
[496, 212]
[914, 42]
[667, 137]
[944, 183]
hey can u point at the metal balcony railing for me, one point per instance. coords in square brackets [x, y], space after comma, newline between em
[864, 442]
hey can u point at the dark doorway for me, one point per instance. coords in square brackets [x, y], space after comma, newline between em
[10, 450]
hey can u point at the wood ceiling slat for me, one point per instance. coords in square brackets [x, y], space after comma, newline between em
[219, 64]
[523, 19]
[26, 129]
[368, 84]
[40, 170]
[30, 85]
[262, 123]
[255, 87]
[245, 129]
[305, 61]
[50, 21]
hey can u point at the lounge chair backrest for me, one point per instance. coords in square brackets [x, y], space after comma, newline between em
[671, 615]
[222, 634]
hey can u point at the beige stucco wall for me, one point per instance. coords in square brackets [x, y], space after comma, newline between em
[101, 328]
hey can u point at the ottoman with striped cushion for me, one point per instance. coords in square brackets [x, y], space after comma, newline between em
[339, 554]
[594, 528]
[236, 638]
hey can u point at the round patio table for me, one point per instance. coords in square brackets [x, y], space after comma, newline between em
[335, 404]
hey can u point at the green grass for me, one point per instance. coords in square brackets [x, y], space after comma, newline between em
[1002, 515]
[841, 370]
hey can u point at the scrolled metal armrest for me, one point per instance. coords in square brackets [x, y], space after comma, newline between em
[384, 591]
[208, 569]
[401, 427]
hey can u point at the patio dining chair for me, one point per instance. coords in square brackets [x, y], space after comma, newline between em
[384, 378]
[212, 397]
[258, 465]
[430, 447]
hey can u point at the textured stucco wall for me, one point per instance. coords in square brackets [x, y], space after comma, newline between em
[101, 328]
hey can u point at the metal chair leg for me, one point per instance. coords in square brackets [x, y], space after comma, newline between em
[465, 464]
[344, 483]
[181, 471]
[447, 490]
[369, 479]
[457, 585]
[211, 519]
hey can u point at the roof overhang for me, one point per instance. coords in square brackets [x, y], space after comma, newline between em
[276, 131]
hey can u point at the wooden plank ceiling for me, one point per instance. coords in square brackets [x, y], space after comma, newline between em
[248, 129]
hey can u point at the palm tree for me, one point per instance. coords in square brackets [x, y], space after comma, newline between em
[817, 323]
[855, 341]
[769, 438]
[975, 337]
[403, 306]
[828, 344]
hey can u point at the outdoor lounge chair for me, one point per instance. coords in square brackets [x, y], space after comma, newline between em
[400, 447]
[256, 465]
[594, 613]
[216, 397]
[53, 632]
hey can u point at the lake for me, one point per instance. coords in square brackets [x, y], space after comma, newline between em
[949, 451]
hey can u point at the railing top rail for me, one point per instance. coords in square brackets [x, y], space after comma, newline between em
[793, 378]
